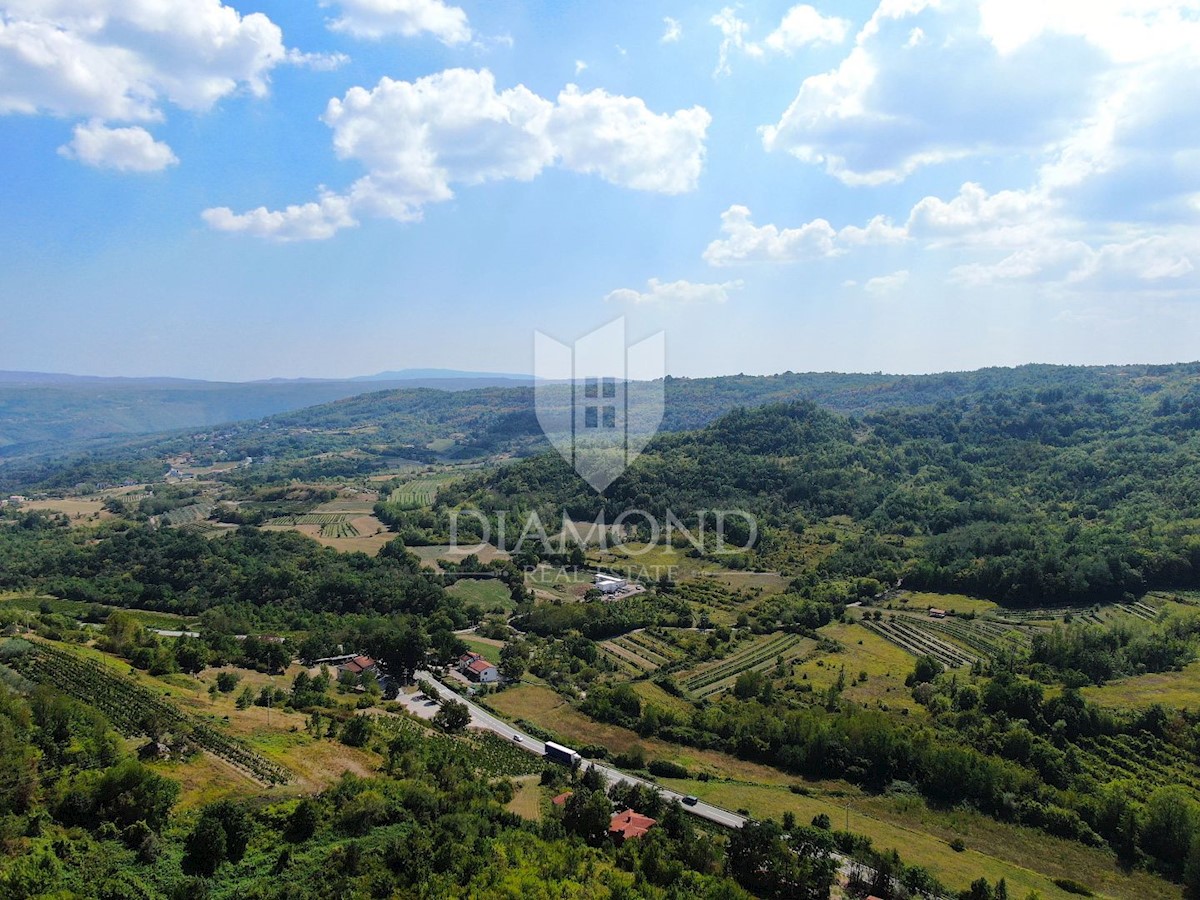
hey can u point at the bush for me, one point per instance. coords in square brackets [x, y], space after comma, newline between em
[1074, 887]
[664, 768]
[958, 845]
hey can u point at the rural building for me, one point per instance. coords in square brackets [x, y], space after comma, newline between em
[482, 671]
[359, 666]
[629, 824]
[561, 799]
[610, 584]
[935, 613]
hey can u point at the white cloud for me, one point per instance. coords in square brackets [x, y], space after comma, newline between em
[130, 149]
[675, 292]
[121, 59]
[923, 86]
[672, 32]
[886, 284]
[734, 32]
[376, 19]
[580, 66]
[802, 25]
[418, 139]
[622, 141]
[745, 242]
[306, 222]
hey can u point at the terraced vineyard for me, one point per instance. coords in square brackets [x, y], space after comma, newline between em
[1143, 762]
[983, 636]
[715, 677]
[418, 493]
[309, 519]
[640, 652]
[189, 515]
[919, 639]
[343, 529]
[133, 708]
[710, 592]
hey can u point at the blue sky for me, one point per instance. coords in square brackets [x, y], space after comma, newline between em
[238, 190]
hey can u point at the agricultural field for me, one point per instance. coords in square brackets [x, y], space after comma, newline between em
[86, 510]
[421, 491]
[959, 604]
[1175, 690]
[640, 651]
[430, 555]
[763, 653]
[914, 636]
[347, 532]
[993, 850]
[861, 652]
[131, 707]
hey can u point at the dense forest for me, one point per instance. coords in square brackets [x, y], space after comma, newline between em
[1061, 496]
[402, 423]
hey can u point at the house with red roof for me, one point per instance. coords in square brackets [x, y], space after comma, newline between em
[475, 667]
[629, 824]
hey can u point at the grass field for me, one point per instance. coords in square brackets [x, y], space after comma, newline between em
[527, 801]
[486, 649]
[886, 666]
[957, 603]
[541, 706]
[1179, 690]
[993, 850]
[430, 555]
[77, 508]
[486, 593]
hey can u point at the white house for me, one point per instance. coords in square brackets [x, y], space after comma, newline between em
[478, 669]
[610, 584]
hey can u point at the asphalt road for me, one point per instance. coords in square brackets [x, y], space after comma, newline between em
[481, 718]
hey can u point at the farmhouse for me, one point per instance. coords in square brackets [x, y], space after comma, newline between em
[629, 824]
[359, 665]
[478, 669]
[935, 613]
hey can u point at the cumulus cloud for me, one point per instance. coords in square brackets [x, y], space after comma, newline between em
[886, 284]
[895, 104]
[121, 59]
[130, 149]
[673, 31]
[304, 222]
[745, 242]
[927, 82]
[675, 292]
[377, 19]
[802, 26]
[419, 139]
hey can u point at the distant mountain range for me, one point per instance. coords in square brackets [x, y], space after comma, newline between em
[41, 411]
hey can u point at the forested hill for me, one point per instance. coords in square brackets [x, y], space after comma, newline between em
[1058, 496]
[426, 423]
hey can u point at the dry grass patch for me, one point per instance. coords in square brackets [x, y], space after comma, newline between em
[527, 801]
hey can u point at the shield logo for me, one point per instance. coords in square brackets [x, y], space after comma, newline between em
[600, 401]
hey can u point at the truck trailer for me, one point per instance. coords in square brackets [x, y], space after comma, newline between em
[560, 754]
